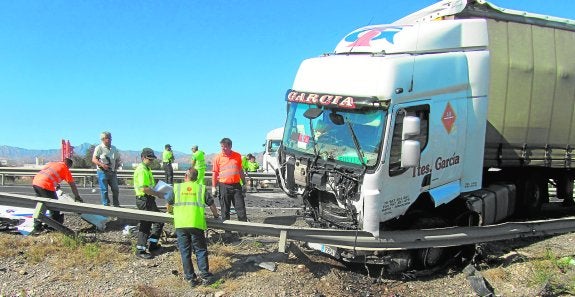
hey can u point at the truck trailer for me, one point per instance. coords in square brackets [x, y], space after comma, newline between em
[459, 114]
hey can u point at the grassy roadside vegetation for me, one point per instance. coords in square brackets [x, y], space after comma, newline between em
[75, 250]
[66, 255]
[543, 272]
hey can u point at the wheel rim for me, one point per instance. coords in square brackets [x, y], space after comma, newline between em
[533, 195]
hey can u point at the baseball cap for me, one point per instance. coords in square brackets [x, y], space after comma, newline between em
[194, 147]
[167, 145]
[148, 153]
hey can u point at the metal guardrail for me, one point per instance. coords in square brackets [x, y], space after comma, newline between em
[88, 176]
[359, 240]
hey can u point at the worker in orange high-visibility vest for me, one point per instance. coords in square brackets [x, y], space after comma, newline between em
[46, 181]
[228, 179]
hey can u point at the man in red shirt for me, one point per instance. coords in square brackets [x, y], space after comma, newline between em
[228, 178]
[46, 181]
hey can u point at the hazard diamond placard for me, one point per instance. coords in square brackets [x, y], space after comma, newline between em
[448, 118]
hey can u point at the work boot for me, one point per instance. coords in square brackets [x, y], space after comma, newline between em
[144, 255]
[155, 248]
[207, 280]
[194, 282]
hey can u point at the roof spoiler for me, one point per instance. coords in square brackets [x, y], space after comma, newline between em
[467, 9]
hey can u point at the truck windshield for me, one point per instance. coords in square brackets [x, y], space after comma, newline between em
[333, 141]
[273, 145]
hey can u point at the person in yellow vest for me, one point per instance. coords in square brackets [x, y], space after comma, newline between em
[251, 166]
[188, 206]
[149, 233]
[245, 161]
[199, 163]
[168, 159]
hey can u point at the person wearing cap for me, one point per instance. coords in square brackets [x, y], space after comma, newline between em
[46, 181]
[228, 178]
[188, 207]
[167, 159]
[148, 232]
[107, 160]
[199, 163]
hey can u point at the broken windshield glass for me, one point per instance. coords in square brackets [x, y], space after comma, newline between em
[334, 141]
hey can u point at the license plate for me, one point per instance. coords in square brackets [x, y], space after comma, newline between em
[332, 251]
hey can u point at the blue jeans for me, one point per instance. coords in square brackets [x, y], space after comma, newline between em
[193, 239]
[105, 179]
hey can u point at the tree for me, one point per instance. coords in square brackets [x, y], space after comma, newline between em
[86, 161]
[88, 156]
[155, 165]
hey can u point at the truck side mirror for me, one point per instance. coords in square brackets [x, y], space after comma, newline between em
[410, 148]
[411, 127]
[410, 153]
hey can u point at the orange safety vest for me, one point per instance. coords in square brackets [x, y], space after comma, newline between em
[51, 175]
[227, 168]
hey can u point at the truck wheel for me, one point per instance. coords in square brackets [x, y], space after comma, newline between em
[565, 189]
[429, 257]
[530, 195]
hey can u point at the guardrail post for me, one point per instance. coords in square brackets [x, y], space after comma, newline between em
[2, 178]
[283, 241]
[39, 214]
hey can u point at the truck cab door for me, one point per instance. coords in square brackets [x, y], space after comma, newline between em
[403, 184]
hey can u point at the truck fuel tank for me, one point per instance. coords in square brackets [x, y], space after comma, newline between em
[493, 204]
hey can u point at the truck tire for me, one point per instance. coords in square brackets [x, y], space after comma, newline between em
[530, 196]
[429, 257]
[565, 189]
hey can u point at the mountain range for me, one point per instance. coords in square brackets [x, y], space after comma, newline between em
[15, 156]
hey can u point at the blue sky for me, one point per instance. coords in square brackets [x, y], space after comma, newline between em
[180, 72]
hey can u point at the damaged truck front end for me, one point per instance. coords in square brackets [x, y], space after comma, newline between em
[329, 144]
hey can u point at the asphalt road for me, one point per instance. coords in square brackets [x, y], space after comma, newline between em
[272, 199]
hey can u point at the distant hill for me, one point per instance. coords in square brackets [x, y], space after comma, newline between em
[16, 156]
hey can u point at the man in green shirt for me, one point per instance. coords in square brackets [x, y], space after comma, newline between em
[199, 163]
[251, 166]
[149, 232]
[245, 160]
[167, 159]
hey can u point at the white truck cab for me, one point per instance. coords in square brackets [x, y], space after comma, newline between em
[271, 146]
[402, 125]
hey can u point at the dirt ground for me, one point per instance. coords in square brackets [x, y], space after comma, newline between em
[251, 266]
[103, 263]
